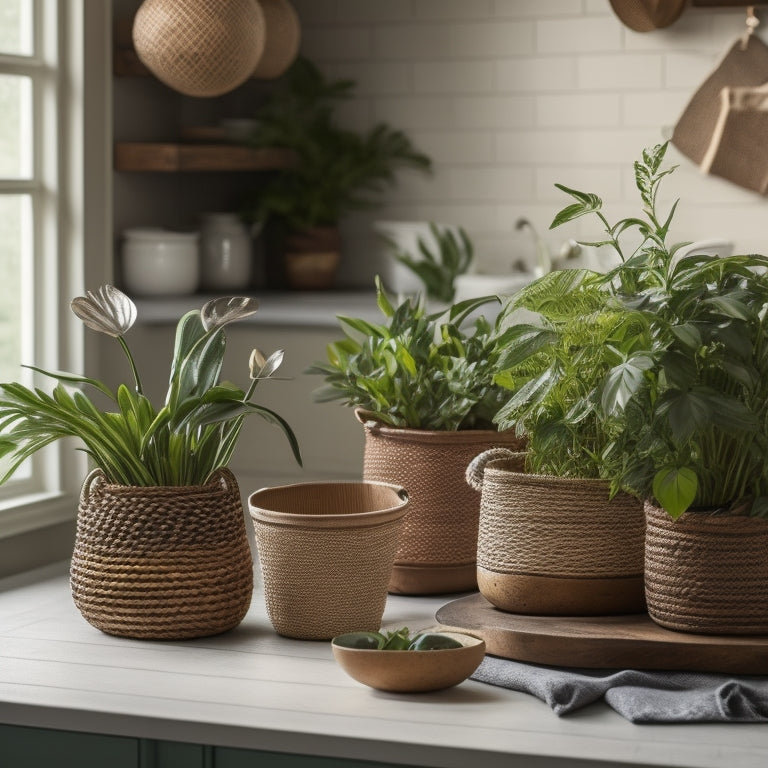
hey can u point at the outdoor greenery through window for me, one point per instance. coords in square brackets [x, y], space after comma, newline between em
[25, 199]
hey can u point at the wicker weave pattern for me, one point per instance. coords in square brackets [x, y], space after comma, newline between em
[561, 527]
[164, 563]
[283, 38]
[441, 526]
[706, 573]
[328, 575]
[200, 47]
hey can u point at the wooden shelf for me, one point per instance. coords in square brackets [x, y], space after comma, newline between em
[170, 157]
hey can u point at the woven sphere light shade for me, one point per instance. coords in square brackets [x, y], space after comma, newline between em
[283, 36]
[200, 47]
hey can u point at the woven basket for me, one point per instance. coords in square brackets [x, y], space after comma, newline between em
[707, 573]
[438, 546]
[555, 545]
[326, 552]
[162, 562]
[200, 47]
[282, 39]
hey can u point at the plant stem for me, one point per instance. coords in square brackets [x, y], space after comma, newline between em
[131, 361]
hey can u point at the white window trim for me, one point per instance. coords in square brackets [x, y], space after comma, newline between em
[81, 242]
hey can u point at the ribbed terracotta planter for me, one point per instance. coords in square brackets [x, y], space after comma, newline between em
[555, 545]
[326, 552]
[438, 545]
[707, 573]
[162, 562]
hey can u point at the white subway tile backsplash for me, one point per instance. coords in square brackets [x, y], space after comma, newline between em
[536, 9]
[453, 76]
[577, 35]
[494, 112]
[653, 109]
[442, 10]
[452, 41]
[327, 44]
[570, 147]
[578, 110]
[510, 96]
[620, 72]
[492, 183]
[534, 75]
[353, 11]
[687, 70]
[457, 148]
[411, 113]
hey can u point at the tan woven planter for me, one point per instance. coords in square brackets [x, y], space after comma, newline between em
[438, 546]
[326, 552]
[707, 573]
[162, 562]
[554, 545]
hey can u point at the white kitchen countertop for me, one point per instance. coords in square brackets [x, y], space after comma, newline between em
[297, 308]
[250, 688]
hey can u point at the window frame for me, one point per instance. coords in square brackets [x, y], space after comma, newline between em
[71, 98]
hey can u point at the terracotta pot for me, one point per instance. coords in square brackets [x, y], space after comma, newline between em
[162, 562]
[707, 573]
[326, 552]
[438, 544]
[312, 258]
[555, 545]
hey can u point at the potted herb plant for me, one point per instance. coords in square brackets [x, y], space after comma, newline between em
[692, 391]
[553, 539]
[161, 548]
[336, 170]
[422, 385]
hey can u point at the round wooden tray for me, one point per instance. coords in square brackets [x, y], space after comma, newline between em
[603, 642]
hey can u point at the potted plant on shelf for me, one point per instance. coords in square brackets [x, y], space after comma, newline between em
[692, 390]
[161, 548]
[336, 170]
[422, 386]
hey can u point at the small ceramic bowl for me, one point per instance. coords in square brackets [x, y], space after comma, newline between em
[411, 671]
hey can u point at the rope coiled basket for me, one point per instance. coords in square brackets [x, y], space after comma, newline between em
[707, 573]
[438, 546]
[326, 552]
[161, 562]
[555, 545]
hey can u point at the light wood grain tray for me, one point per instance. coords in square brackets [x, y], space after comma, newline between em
[603, 642]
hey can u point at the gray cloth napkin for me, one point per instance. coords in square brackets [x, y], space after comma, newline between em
[641, 697]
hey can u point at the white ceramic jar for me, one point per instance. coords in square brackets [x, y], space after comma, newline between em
[160, 262]
[225, 252]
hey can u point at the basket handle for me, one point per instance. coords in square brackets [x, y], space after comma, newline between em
[94, 479]
[476, 468]
[227, 480]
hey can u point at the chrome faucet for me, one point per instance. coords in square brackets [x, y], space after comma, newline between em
[543, 258]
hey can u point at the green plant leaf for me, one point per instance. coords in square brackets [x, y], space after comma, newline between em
[675, 489]
[623, 381]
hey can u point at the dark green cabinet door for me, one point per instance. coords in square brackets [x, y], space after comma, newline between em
[225, 757]
[42, 748]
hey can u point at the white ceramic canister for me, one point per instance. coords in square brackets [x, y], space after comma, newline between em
[160, 262]
[225, 252]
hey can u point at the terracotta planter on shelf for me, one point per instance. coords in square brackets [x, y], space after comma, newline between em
[326, 552]
[555, 545]
[707, 573]
[438, 544]
[162, 562]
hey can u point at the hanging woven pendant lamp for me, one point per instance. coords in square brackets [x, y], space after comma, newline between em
[200, 47]
[283, 36]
